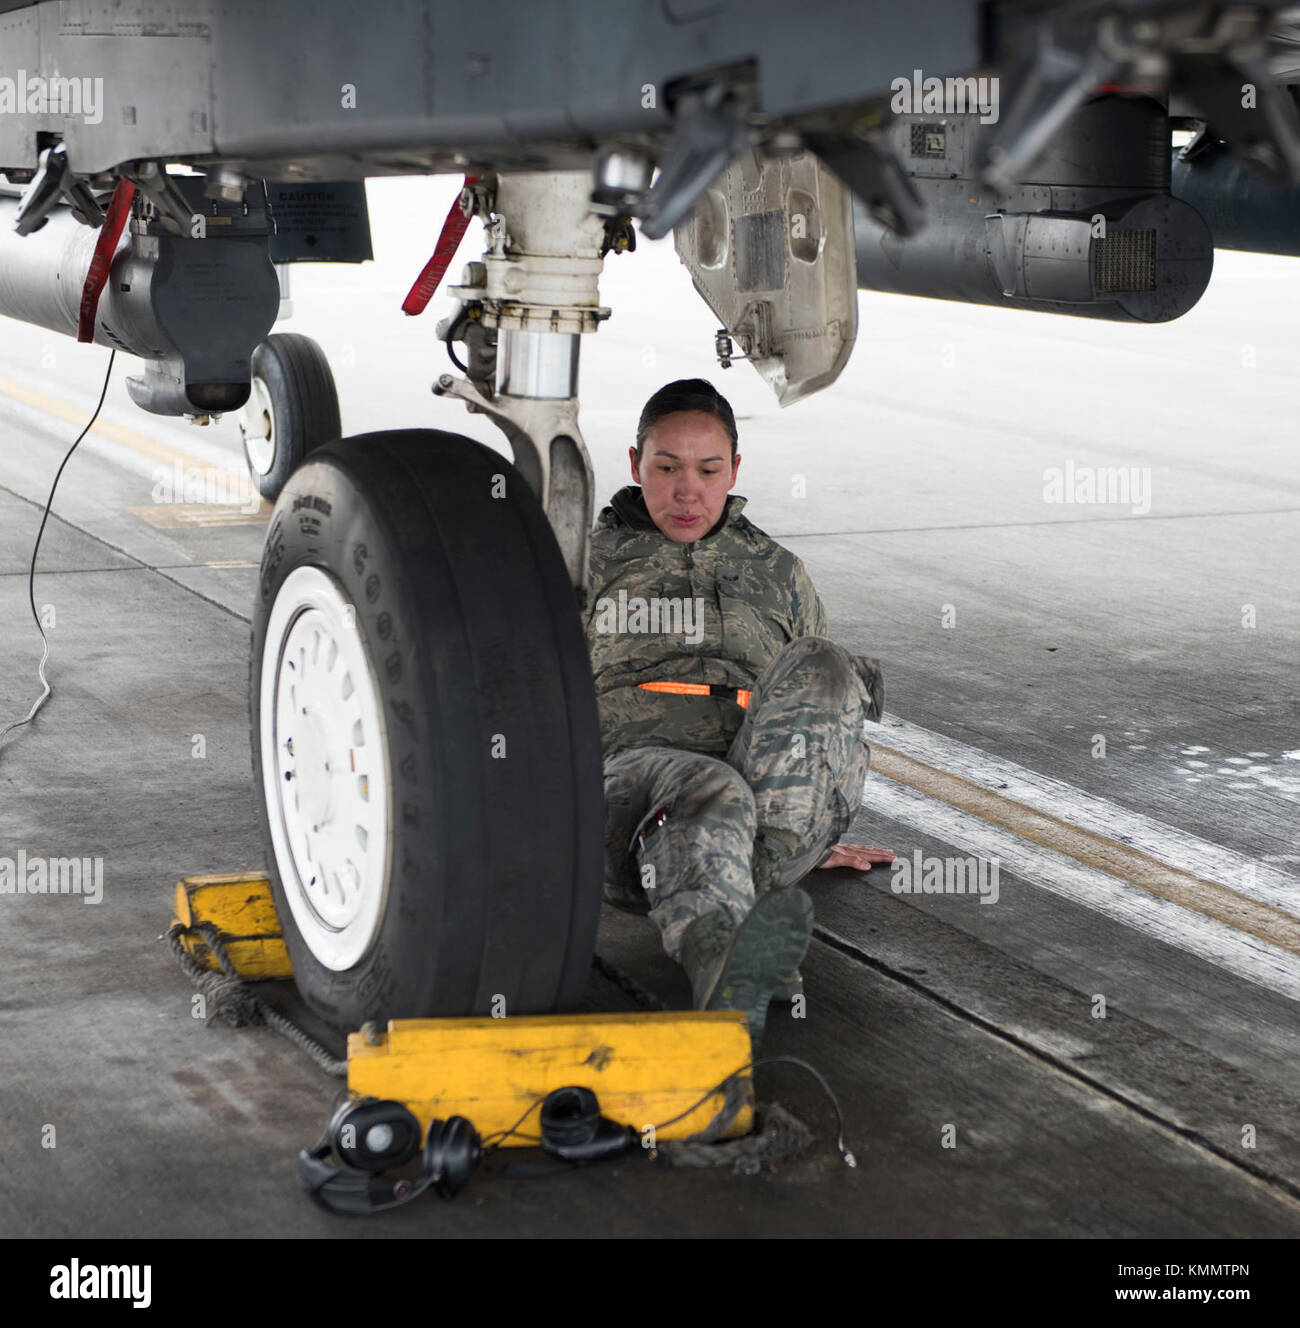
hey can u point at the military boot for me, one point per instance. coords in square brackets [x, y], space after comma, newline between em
[739, 968]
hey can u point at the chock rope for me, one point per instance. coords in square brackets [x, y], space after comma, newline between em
[780, 1137]
[231, 1001]
[643, 996]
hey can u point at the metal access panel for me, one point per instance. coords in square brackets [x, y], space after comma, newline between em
[770, 248]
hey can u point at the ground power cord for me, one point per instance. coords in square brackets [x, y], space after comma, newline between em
[31, 567]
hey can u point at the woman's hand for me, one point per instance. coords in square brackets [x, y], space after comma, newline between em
[861, 857]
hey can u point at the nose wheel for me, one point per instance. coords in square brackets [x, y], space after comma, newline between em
[292, 408]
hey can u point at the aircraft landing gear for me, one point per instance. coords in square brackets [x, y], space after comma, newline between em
[425, 730]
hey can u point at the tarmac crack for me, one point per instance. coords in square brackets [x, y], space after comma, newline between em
[1279, 1186]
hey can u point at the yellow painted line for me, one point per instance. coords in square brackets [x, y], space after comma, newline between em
[122, 436]
[115, 433]
[177, 516]
[1209, 898]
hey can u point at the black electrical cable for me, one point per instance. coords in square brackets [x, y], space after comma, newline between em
[457, 323]
[31, 569]
[514, 1129]
[849, 1159]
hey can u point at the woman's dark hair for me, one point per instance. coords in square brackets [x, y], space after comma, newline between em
[685, 394]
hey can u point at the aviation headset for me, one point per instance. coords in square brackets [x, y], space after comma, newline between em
[370, 1136]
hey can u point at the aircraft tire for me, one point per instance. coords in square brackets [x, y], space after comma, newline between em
[425, 737]
[293, 407]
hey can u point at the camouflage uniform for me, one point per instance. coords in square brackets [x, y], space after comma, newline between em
[707, 802]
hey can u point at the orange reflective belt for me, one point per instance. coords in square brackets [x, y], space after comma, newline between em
[737, 694]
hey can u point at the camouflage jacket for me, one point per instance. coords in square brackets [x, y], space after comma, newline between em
[716, 610]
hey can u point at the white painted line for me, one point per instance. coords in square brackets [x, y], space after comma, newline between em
[1177, 848]
[1219, 944]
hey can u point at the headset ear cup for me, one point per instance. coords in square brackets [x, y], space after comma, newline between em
[374, 1134]
[569, 1118]
[574, 1129]
[338, 1117]
[452, 1150]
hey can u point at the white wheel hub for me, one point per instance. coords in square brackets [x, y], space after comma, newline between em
[257, 425]
[325, 768]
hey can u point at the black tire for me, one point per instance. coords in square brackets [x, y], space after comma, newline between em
[299, 410]
[471, 628]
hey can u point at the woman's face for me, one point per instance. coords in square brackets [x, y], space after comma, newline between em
[685, 472]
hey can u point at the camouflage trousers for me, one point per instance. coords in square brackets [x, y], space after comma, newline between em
[687, 834]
